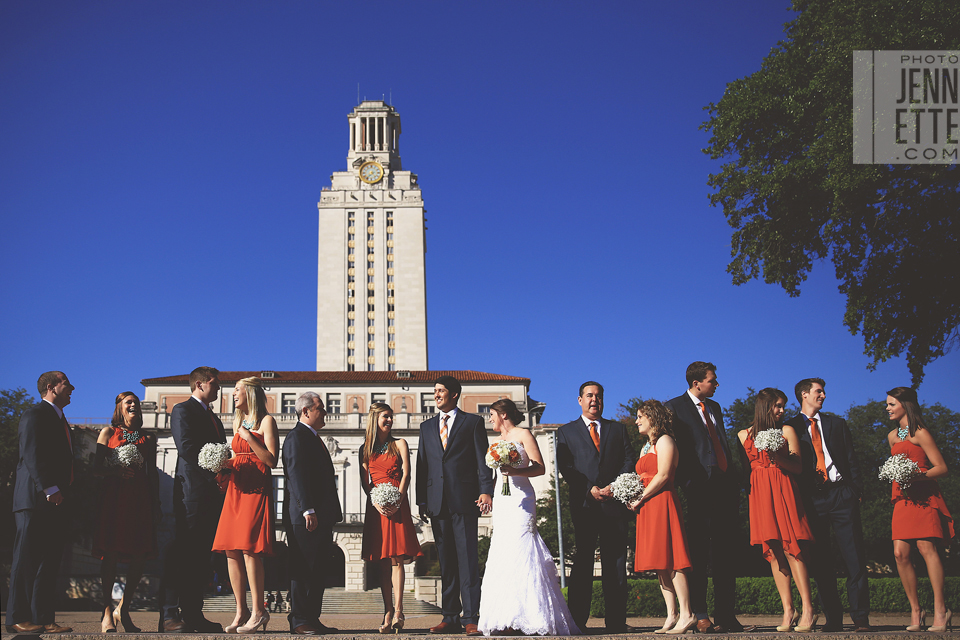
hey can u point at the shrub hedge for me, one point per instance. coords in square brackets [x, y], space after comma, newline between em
[759, 596]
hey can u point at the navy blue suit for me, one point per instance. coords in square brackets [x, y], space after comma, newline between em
[584, 467]
[837, 505]
[46, 460]
[197, 502]
[713, 507]
[449, 481]
[310, 483]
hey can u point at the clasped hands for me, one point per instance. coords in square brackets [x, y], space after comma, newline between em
[601, 495]
[386, 509]
[485, 502]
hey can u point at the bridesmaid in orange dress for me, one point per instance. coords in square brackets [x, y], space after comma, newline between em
[129, 504]
[920, 514]
[245, 533]
[389, 536]
[777, 520]
[661, 540]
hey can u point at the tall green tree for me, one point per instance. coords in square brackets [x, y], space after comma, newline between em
[793, 196]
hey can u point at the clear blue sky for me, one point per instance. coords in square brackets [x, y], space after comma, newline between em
[160, 164]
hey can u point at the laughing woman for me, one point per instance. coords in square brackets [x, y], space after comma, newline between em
[129, 501]
[245, 533]
[920, 514]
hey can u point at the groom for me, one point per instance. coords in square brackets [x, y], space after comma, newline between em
[454, 488]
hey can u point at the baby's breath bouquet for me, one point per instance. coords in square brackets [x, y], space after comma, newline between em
[213, 455]
[126, 456]
[385, 494]
[503, 454]
[627, 488]
[899, 469]
[770, 440]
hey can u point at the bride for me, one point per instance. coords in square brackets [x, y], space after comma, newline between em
[520, 592]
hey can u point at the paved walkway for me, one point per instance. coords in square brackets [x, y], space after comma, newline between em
[86, 625]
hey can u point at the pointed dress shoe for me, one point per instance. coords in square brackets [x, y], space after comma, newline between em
[53, 627]
[24, 627]
[705, 626]
[306, 630]
[446, 627]
[471, 630]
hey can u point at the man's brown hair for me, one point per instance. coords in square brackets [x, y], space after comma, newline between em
[202, 374]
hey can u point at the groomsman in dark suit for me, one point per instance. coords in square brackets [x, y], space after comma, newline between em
[591, 452]
[310, 509]
[197, 502]
[454, 487]
[44, 476]
[712, 490]
[831, 486]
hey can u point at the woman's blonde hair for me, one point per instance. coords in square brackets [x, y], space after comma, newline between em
[370, 439]
[256, 402]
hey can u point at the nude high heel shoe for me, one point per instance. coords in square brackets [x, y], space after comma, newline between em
[943, 627]
[239, 622]
[387, 621]
[793, 622]
[684, 628]
[923, 621]
[252, 625]
[398, 620]
[799, 629]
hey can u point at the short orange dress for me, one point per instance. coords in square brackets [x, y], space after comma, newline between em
[388, 536]
[920, 511]
[246, 522]
[776, 512]
[661, 540]
[127, 505]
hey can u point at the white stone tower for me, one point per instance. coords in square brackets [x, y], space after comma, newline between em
[371, 291]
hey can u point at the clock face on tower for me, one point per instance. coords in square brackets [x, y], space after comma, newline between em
[371, 172]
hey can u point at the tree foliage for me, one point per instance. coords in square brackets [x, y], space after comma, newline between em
[793, 196]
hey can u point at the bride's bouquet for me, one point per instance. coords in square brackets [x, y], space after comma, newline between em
[385, 494]
[213, 455]
[770, 440]
[627, 488]
[503, 454]
[899, 469]
[126, 456]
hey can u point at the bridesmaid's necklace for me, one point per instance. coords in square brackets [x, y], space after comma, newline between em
[646, 447]
[249, 425]
[904, 432]
[380, 449]
[130, 437]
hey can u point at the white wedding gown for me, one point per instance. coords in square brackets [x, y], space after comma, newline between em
[521, 589]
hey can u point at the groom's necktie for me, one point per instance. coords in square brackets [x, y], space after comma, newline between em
[443, 430]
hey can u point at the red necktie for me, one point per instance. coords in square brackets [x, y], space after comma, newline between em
[213, 419]
[721, 457]
[818, 449]
[594, 435]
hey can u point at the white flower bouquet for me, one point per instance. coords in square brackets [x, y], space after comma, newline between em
[503, 454]
[126, 456]
[627, 488]
[385, 494]
[213, 455]
[899, 469]
[770, 440]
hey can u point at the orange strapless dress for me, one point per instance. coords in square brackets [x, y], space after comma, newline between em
[393, 536]
[776, 512]
[920, 511]
[246, 522]
[661, 541]
[127, 505]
